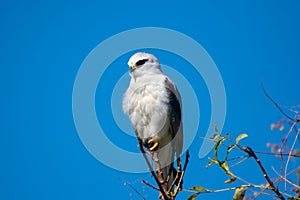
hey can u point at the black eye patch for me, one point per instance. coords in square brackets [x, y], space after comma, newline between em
[141, 62]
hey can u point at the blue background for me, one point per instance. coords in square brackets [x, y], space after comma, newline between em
[42, 45]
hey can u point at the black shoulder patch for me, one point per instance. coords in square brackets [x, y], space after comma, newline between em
[175, 111]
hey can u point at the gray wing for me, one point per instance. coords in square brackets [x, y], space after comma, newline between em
[174, 111]
[175, 114]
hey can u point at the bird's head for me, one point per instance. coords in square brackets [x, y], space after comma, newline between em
[143, 63]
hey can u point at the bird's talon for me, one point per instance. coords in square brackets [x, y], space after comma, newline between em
[152, 145]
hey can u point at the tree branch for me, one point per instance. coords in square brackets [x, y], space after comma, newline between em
[165, 196]
[251, 153]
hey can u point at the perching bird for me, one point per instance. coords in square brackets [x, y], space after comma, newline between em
[153, 105]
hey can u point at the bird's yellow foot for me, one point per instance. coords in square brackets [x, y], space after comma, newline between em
[153, 145]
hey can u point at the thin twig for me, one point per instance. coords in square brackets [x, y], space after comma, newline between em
[289, 157]
[152, 186]
[179, 186]
[262, 192]
[187, 156]
[274, 102]
[239, 162]
[225, 189]
[284, 178]
[281, 149]
[133, 188]
[277, 154]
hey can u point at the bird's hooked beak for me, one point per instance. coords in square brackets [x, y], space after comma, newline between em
[132, 67]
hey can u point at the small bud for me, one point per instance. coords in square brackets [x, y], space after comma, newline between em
[273, 126]
[281, 127]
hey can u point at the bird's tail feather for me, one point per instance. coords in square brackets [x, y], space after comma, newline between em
[169, 174]
[166, 161]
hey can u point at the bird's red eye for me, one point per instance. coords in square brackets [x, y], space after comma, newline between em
[141, 62]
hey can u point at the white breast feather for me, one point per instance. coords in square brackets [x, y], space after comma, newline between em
[145, 102]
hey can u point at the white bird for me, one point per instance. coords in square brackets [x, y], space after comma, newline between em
[153, 105]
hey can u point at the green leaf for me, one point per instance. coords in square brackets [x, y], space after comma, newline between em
[240, 137]
[218, 143]
[230, 180]
[224, 166]
[212, 161]
[192, 197]
[240, 193]
[230, 148]
[198, 189]
[228, 151]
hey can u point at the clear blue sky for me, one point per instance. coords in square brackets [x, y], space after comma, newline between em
[42, 45]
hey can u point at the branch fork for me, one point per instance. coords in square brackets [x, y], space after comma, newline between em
[165, 193]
